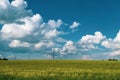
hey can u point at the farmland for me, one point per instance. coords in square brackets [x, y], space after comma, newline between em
[59, 70]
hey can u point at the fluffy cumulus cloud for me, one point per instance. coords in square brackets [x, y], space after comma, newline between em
[16, 30]
[69, 47]
[12, 12]
[25, 32]
[74, 25]
[22, 30]
[44, 44]
[91, 41]
[17, 43]
[113, 45]
[115, 53]
[55, 24]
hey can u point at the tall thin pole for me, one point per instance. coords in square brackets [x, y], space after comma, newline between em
[53, 56]
[15, 58]
[28, 57]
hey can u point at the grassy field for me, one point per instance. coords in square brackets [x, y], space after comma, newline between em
[59, 70]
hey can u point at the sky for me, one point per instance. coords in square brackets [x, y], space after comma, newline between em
[74, 29]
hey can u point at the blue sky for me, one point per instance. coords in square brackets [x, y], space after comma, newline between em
[93, 15]
[75, 29]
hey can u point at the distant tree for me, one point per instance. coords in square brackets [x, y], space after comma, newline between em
[109, 59]
[5, 58]
[0, 58]
[113, 59]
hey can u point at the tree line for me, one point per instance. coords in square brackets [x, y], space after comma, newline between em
[3, 58]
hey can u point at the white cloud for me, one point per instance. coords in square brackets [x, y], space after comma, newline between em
[39, 45]
[18, 43]
[43, 44]
[4, 4]
[27, 30]
[55, 49]
[69, 47]
[115, 53]
[117, 38]
[12, 12]
[19, 3]
[74, 25]
[51, 33]
[112, 43]
[89, 41]
[23, 31]
[15, 30]
[50, 44]
[55, 24]
[108, 43]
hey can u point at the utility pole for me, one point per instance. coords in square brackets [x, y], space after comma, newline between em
[29, 57]
[53, 56]
[15, 58]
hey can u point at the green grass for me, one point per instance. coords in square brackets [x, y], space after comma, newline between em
[59, 70]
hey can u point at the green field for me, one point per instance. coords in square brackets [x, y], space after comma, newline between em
[59, 70]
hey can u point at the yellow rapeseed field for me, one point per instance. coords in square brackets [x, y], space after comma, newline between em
[59, 70]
